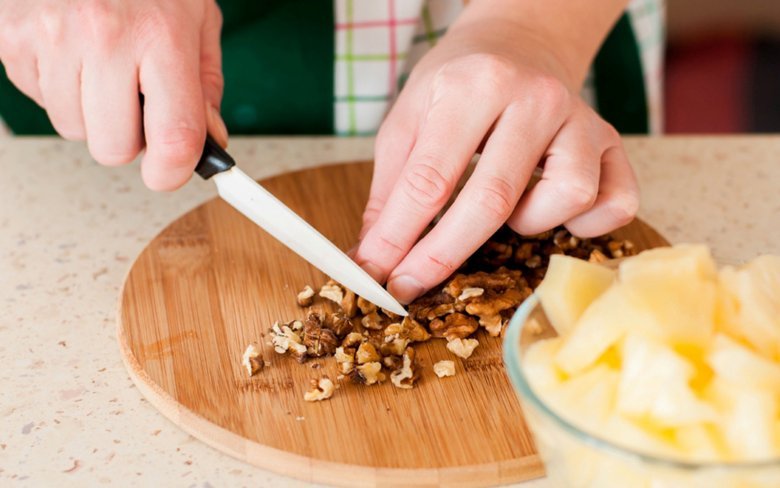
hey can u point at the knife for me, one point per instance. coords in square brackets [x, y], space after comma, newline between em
[273, 216]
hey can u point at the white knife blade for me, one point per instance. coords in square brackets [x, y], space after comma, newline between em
[265, 210]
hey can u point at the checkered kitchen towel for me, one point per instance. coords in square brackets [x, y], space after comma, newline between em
[379, 41]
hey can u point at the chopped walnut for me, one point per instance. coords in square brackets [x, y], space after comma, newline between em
[366, 353]
[365, 306]
[494, 324]
[349, 304]
[318, 340]
[284, 339]
[322, 390]
[405, 376]
[306, 296]
[432, 305]
[470, 293]
[372, 321]
[353, 339]
[480, 279]
[368, 374]
[339, 323]
[454, 326]
[393, 346]
[252, 360]
[412, 330]
[462, 347]
[597, 256]
[392, 362]
[332, 292]
[392, 316]
[345, 358]
[444, 368]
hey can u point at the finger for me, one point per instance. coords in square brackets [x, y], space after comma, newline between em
[617, 201]
[211, 77]
[569, 182]
[112, 112]
[60, 85]
[174, 115]
[23, 73]
[391, 150]
[453, 128]
[486, 201]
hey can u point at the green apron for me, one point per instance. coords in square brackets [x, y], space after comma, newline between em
[278, 58]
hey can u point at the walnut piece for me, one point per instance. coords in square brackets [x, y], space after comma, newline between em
[284, 339]
[345, 358]
[318, 340]
[462, 347]
[368, 374]
[393, 346]
[252, 360]
[454, 326]
[339, 323]
[432, 305]
[365, 306]
[332, 292]
[353, 339]
[321, 390]
[444, 368]
[413, 330]
[306, 296]
[494, 324]
[470, 293]
[372, 321]
[404, 377]
[366, 353]
[349, 304]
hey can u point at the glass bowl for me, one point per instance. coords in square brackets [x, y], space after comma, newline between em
[575, 458]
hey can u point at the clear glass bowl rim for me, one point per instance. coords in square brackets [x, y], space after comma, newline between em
[512, 361]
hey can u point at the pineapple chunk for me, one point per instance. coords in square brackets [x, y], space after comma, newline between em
[602, 324]
[750, 304]
[538, 363]
[569, 286]
[749, 424]
[738, 364]
[684, 262]
[588, 399]
[654, 385]
[632, 435]
[701, 442]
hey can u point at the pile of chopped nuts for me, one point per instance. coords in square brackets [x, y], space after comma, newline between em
[369, 343]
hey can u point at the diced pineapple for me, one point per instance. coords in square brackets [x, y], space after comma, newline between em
[740, 365]
[602, 324]
[683, 262]
[701, 442]
[587, 399]
[538, 363]
[749, 425]
[654, 384]
[750, 304]
[631, 435]
[569, 286]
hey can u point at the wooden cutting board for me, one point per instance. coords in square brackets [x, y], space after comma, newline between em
[212, 282]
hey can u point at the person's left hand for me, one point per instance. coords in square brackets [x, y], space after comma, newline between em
[495, 87]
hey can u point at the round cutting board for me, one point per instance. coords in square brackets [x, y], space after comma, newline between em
[213, 282]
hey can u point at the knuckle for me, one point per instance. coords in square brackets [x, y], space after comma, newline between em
[482, 72]
[103, 22]
[550, 92]
[496, 197]
[154, 25]
[426, 185]
[576, 193]
[623, 207]
[179, 146]
[51, 22]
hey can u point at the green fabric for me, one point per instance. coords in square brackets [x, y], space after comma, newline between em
[620, 87]
[278, 67]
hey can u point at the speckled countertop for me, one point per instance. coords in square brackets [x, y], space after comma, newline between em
[69, 230]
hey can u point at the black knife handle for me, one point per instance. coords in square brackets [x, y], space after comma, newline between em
[213, 160]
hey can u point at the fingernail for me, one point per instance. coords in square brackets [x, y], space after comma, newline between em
[405, 288]
[216, 126]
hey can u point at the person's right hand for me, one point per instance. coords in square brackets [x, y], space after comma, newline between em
[86, 61]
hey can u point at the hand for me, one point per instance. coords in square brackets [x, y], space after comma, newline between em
[86, 61]
[496, 87]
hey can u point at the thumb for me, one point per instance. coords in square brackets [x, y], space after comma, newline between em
[211, 77]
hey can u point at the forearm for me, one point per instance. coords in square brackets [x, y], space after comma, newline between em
[572, 29]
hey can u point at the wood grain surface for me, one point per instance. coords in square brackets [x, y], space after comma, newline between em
[213, 282]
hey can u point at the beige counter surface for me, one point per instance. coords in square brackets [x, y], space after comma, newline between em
[69, 230]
